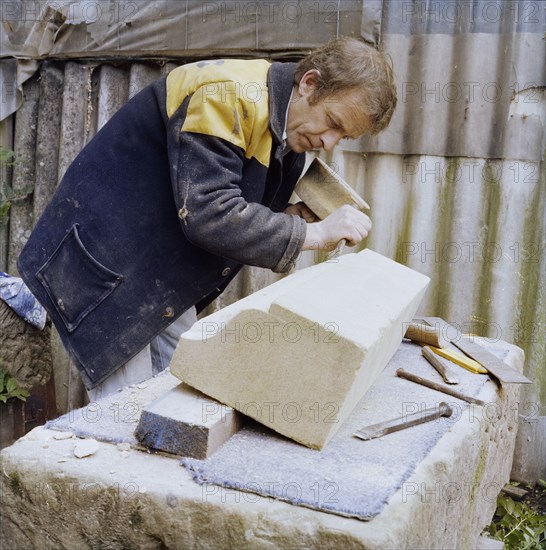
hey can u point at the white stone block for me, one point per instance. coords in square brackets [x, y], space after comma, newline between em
[298, 355]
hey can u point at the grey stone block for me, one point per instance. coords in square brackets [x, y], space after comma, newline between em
[186, 422]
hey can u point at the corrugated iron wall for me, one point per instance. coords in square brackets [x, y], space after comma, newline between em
[456, 186]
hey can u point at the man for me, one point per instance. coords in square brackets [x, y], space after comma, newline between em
[186, 183]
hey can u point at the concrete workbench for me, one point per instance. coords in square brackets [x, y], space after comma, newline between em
[121, 497]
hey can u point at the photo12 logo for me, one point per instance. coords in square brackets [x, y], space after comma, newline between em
[469, 12]
[87, 12]
[253, 332]
[272, 11]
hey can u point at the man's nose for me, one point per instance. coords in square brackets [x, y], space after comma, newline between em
[330, 139]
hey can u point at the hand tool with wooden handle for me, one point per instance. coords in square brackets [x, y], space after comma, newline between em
[425, 334]
[324, 191]
[438, 387]
[407, 421]
[332, 255]
[445, 371]
[459, 359]
[497, 368]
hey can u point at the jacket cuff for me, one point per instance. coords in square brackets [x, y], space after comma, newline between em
[292, 252]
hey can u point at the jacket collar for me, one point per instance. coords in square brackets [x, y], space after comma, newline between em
[280, 81]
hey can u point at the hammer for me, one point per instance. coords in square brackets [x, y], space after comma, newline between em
[324, 191]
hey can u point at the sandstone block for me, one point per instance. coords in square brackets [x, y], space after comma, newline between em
[298, 355]
[185, 422]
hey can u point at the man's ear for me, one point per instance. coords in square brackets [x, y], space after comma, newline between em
[308, 82]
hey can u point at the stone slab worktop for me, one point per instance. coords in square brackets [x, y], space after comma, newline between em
[122, 497]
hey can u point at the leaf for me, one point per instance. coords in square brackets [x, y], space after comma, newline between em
[22, 193]
[496, 533]
[20, 394]
[518, 525]
[11, 384]
[3, 397]
[512, 540]
[531, 517]
[4, 211]
[6, 155]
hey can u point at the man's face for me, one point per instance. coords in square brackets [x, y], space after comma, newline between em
[326, 122]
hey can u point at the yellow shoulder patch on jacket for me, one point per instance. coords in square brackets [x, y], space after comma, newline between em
[229, 100]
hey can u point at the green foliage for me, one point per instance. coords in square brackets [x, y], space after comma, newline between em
[7, 194]
[4, 211]
[9, 388]
[7, 156]
[8, 384]
[518, 525]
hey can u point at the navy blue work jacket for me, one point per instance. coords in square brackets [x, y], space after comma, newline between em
[185, 184]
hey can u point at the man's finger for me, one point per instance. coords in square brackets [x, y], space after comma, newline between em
[307, 214]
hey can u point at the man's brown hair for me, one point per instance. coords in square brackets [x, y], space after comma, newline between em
[348, 64]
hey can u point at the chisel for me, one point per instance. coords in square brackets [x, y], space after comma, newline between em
[432, 336]
[407, 421]
[446, 372]
[332, 255]
[438, 387]
[459, 359]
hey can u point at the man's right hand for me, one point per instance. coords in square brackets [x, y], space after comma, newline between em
[345, 223]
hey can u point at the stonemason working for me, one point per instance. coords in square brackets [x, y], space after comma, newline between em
[188, 182]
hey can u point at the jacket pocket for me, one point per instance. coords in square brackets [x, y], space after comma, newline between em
[75, 281]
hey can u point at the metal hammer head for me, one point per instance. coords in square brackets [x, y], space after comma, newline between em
[324, 191]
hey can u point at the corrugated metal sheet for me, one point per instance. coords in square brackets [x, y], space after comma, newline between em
[456, 184]
[463, 196]
[460, 67]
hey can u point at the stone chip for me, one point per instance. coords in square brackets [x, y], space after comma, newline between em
[86, 447]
